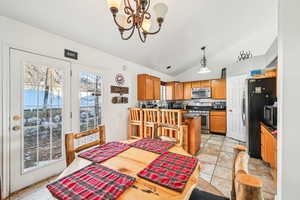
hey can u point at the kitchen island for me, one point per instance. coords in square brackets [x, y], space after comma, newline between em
[168, 118]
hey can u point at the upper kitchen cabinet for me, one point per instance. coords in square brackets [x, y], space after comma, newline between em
[196, 84]
[218, 88]
[174, 91]
[187, 90]
[201, 84]
[148, 87]
[178, 95]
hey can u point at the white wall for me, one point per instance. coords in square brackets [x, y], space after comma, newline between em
[25, 37]
[289, 73]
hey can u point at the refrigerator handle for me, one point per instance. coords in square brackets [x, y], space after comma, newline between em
[244, 109]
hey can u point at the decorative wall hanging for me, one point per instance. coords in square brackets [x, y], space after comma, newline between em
[244, 55]
[136, 16]
[120, 79]
[121, 91]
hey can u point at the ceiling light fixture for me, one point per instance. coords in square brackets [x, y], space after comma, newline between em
[136, 17]
[203, 68]
[244, 55]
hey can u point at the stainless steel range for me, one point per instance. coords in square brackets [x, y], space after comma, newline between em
[203, 111]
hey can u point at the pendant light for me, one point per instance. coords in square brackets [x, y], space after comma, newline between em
[203, 68]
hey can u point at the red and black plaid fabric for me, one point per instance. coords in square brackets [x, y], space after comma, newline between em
[104, 152]
[170, 170]
[153, 145]
[94, 182]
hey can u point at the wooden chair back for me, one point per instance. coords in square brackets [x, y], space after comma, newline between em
[244, 185]
[151, 115]
[70, 142]
[135, 115]
[176, 135]
[171, 117]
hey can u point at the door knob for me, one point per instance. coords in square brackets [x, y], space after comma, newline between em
[230, 110]
[16, 118]
[16, 128]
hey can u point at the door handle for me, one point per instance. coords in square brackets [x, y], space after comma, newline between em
[16, 118]
[16, 128]
[229, 110]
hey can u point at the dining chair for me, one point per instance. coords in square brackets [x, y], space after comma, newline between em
[70, 139]
[135, 123]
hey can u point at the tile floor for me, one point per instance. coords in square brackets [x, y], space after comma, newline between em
[216, 157]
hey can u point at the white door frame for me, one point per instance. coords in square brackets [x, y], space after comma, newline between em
[6, 111]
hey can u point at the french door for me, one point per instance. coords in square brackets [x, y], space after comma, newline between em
[39, 116]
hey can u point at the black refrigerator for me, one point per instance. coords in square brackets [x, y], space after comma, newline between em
[260, 92]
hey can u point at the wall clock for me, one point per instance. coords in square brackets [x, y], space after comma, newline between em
[120, 80]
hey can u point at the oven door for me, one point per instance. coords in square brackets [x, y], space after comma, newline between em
[205, 122]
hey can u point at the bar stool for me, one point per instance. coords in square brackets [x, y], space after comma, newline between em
[135, 123]
[151, 118]
[171, 126]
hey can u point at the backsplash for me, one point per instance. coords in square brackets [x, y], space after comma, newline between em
[192, 102]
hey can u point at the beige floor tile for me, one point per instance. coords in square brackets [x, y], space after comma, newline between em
[227, 148]
[223, 172]
[225, 159]
[206, 177]
[222, 184]
[207, 158]
[211, 149]
[207, 168]
[216, 142]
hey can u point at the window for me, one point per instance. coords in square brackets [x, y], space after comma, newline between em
[90, 101]
[42, 114]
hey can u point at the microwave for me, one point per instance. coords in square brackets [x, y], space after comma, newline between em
[270, 116]
[201, 93]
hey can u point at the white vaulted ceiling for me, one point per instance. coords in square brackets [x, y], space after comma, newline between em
[190, 24]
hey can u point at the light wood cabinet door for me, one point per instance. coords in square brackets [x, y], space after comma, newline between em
[205, 84]
[170, 90]
[196, 84]
[156, 88]
[148, 87]
[268, 147]
[187, 90]
[218, 89]
[178, 95]
[217, 122]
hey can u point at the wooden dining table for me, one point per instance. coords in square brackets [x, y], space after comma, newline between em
[131, 162]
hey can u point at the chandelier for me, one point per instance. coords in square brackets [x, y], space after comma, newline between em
[136, 16]
[244, 55]
[203, 63]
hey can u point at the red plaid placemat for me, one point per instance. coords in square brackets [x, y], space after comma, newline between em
[153, 145]
[104, 152]
[94, 182]
[170, 170]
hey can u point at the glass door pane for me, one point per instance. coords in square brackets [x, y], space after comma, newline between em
[42, 114]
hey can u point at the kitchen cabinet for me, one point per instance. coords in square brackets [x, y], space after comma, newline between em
[205, 84]
[268, 146]
[170, 90]
[201, 84]
[187, 90]
[218, 122]
[148, 87]
[218, 88]
[196, 84]
[174, 91]
[156, 87]
[178, 95]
